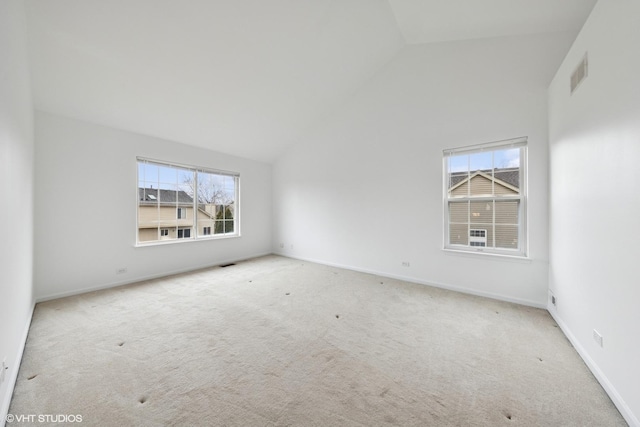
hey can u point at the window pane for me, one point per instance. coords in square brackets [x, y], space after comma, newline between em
[458, 234]
[147, 172]
[507, 158]
[459, 212]
[487, 229]
[507, 236]
[507, 212]
[457, 173]
[458, 164]
[167, 175]
[481, 185]
[482, 161]
[481, 212]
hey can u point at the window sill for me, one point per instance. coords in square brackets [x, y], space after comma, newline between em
[497, 256]
[182, 241]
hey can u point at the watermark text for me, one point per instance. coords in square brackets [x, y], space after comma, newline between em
[44, 418]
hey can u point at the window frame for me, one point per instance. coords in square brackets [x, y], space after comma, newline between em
[522, 197]
[193, 236]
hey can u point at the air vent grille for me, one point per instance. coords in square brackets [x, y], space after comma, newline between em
[579, 74]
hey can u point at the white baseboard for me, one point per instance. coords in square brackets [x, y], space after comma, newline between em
[11, 384]
[146, 277]
[449, 287]
[617, 400]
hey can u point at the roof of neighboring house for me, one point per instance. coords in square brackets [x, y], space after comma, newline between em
[152, 195]
[510, 176]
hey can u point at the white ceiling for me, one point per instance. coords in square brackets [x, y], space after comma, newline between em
[244, 77]
[428, 21]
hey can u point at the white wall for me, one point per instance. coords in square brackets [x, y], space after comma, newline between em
[16, 193]
[85, 220]
[364, 190]
[595, 200]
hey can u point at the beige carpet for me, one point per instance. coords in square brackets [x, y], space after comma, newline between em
[278, 342]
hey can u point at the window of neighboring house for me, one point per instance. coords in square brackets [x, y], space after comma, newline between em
[478, 238]
[485, 198]
[183, 198]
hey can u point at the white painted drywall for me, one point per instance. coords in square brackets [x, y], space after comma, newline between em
[85, 220]
[242, 77]
[16, 193]
[364, 190]
[595, 198]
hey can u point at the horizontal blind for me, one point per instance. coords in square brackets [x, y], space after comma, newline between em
[187, 167]
[478, 148]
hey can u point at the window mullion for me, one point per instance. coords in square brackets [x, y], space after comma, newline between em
[493, 222]
[195, 203]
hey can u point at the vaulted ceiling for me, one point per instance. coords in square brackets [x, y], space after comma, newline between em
[244, 77]
[429, 21]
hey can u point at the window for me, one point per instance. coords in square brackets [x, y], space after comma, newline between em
[184, 233]
[485, 198]
[174, 199]
[478, 238]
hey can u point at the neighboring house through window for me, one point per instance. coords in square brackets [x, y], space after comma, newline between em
[485, 198]
[176, 200]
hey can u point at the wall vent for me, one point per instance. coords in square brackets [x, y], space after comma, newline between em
[579, 74]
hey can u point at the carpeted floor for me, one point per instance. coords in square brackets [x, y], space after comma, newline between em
[278, 342]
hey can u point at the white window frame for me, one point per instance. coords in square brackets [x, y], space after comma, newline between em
[522, 250]
[193, 235]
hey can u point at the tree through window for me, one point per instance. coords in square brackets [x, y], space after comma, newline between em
[181, 202]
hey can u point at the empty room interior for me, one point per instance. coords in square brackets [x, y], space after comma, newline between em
[323, 212]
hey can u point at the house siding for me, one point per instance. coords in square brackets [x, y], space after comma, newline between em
[501, 226]
[154, 217]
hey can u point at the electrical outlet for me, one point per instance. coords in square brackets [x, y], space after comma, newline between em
[597, 337]
[121, 270]
[406, 264]
[552, 299]
[5, 368]
[281, 245]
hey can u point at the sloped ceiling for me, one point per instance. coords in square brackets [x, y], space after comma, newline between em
[244, 77]
[428, 21]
